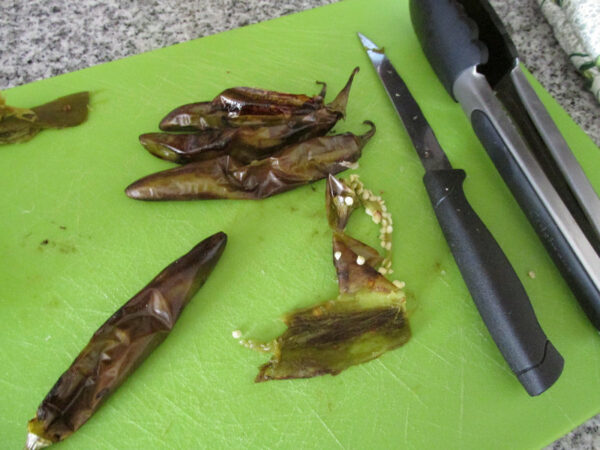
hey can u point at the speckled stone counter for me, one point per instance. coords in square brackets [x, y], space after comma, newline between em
[44, 38]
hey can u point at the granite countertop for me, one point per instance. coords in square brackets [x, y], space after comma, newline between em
[44, 38]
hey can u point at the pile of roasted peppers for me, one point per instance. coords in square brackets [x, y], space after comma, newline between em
[22, 124]
[249, 143]
[121, 344]
[244, 144]
[367, 318]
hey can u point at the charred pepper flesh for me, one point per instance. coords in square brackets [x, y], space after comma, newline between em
[367, 319]
[22, 124]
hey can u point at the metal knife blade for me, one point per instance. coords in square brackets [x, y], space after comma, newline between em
[492, 282]
[428, 148]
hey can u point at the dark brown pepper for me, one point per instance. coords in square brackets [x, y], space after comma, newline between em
[224, 177]
[251, 108]
[121, 344]
[246, 100]
[244, 143]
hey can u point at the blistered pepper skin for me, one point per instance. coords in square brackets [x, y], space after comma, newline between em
[224, 177]
[250, 107]
[247, 100]
[244, 143]
[122, 343]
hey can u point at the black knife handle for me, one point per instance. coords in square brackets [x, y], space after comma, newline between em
[553, 240]
[496, 289]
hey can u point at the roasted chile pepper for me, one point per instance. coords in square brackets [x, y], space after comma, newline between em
[224, 177]
[251, 108]
[121, 344]
[244, 143]
[246, 100]
[22, 124]
[365, 320]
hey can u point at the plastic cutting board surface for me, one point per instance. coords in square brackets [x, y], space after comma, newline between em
[74, 248]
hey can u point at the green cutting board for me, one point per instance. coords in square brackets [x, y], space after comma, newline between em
[74, 248]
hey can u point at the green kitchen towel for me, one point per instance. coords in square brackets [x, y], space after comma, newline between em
[576, 25]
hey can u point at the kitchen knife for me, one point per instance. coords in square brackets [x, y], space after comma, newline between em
[495, 287]
[471, 53]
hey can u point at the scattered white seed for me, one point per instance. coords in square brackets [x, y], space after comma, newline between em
[388, 245]
[360, 260]
[382, 270]
[236, 334]
[348, 201]
[369, 212]
[337, 255]
[389, 229]
[531, 274]
[399, 284]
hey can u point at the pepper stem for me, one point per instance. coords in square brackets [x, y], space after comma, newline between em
[323, 89]
[364, 138]
[338, 105]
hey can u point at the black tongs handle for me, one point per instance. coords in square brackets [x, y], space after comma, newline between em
[549, 233]
[450, 37]
[495, 288]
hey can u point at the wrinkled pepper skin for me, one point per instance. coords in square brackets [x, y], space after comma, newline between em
[366, 320]
[20, 124]
[121, 344]
[224, 177]
[245, 107]
[185, 148]
[245, 143]
[246, 100]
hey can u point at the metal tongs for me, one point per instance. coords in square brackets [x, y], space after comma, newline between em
[477, 63]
